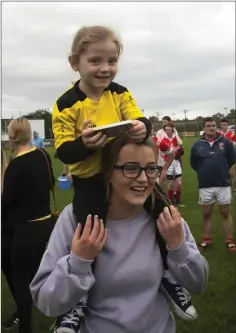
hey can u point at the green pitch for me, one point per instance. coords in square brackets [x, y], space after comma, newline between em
[217, 306]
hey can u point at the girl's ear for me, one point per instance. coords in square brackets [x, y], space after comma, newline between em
[74, 63]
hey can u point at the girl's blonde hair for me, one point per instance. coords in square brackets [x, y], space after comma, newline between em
[3, 166]
[19, 133]
[88, 35]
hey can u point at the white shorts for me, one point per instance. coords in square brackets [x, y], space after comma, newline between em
[175, 168]
[210, 195]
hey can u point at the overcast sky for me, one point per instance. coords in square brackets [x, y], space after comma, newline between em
[176, 55]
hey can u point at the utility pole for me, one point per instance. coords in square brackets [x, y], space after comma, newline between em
[185, 112]
[185, 118]
[226, 111]
[173, 116]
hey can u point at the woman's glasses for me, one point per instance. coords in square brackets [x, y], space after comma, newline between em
[134, 170]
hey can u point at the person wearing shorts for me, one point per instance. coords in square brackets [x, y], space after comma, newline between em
[164, 163]
[174, 172]
[162, 166]
[224, 123]
[211, 157]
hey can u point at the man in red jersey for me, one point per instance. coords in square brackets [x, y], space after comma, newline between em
[232, 137]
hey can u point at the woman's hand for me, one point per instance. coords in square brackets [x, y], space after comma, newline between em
[170, 227]
[91, 241]
[138, 131]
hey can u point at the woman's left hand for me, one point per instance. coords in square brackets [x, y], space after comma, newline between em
[170, 227]
[138, 131]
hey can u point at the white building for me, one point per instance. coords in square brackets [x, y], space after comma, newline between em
[36, 125]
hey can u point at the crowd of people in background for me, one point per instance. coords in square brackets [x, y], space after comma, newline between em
[89, 275]
[213, 153]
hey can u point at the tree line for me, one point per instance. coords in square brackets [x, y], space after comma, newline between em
[194, 125]
[186, 125]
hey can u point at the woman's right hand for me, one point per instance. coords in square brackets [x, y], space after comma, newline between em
[91, 241]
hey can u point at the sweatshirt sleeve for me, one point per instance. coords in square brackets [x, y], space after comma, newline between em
[62, 279]
[188, 265]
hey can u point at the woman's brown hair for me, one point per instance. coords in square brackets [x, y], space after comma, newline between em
[156, 202]
[169, 125]
[20, 133]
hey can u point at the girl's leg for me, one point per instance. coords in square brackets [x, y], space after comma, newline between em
[65, 168]
[89, 198]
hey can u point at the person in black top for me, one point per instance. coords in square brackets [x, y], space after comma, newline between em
[26, 218]
[3, 166]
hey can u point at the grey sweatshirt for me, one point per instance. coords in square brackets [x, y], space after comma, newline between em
[123, 289]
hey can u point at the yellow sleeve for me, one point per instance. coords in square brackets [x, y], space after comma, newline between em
[128, 107]
[63, 125]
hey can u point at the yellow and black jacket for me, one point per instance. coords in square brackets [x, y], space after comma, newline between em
[73, 108]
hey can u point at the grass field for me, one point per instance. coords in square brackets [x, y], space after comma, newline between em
[217, 306]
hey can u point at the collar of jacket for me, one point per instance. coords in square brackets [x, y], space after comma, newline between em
[218, 135]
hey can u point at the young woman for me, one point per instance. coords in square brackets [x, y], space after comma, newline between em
[172, 141]
[26, 218]
[123, 282]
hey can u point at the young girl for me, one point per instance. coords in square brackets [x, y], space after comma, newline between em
[174, 173]
[92, 101]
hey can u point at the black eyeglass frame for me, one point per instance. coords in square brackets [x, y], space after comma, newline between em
[140, 170]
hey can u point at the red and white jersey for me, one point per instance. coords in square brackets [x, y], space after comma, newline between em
[229, 135]
[167, 145]
[155, 139]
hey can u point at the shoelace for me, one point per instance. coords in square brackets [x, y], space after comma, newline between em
[185, 298]
[73, 316]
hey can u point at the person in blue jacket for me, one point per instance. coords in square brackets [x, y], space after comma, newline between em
[37, 141]
[211, 157]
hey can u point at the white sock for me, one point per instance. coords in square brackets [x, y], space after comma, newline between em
[169, 277]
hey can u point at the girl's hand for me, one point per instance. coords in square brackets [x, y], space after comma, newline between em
[91, 140]
[170, 227]
[91, 241]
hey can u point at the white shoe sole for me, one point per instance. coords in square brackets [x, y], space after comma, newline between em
[180, 313]
[63, 330]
